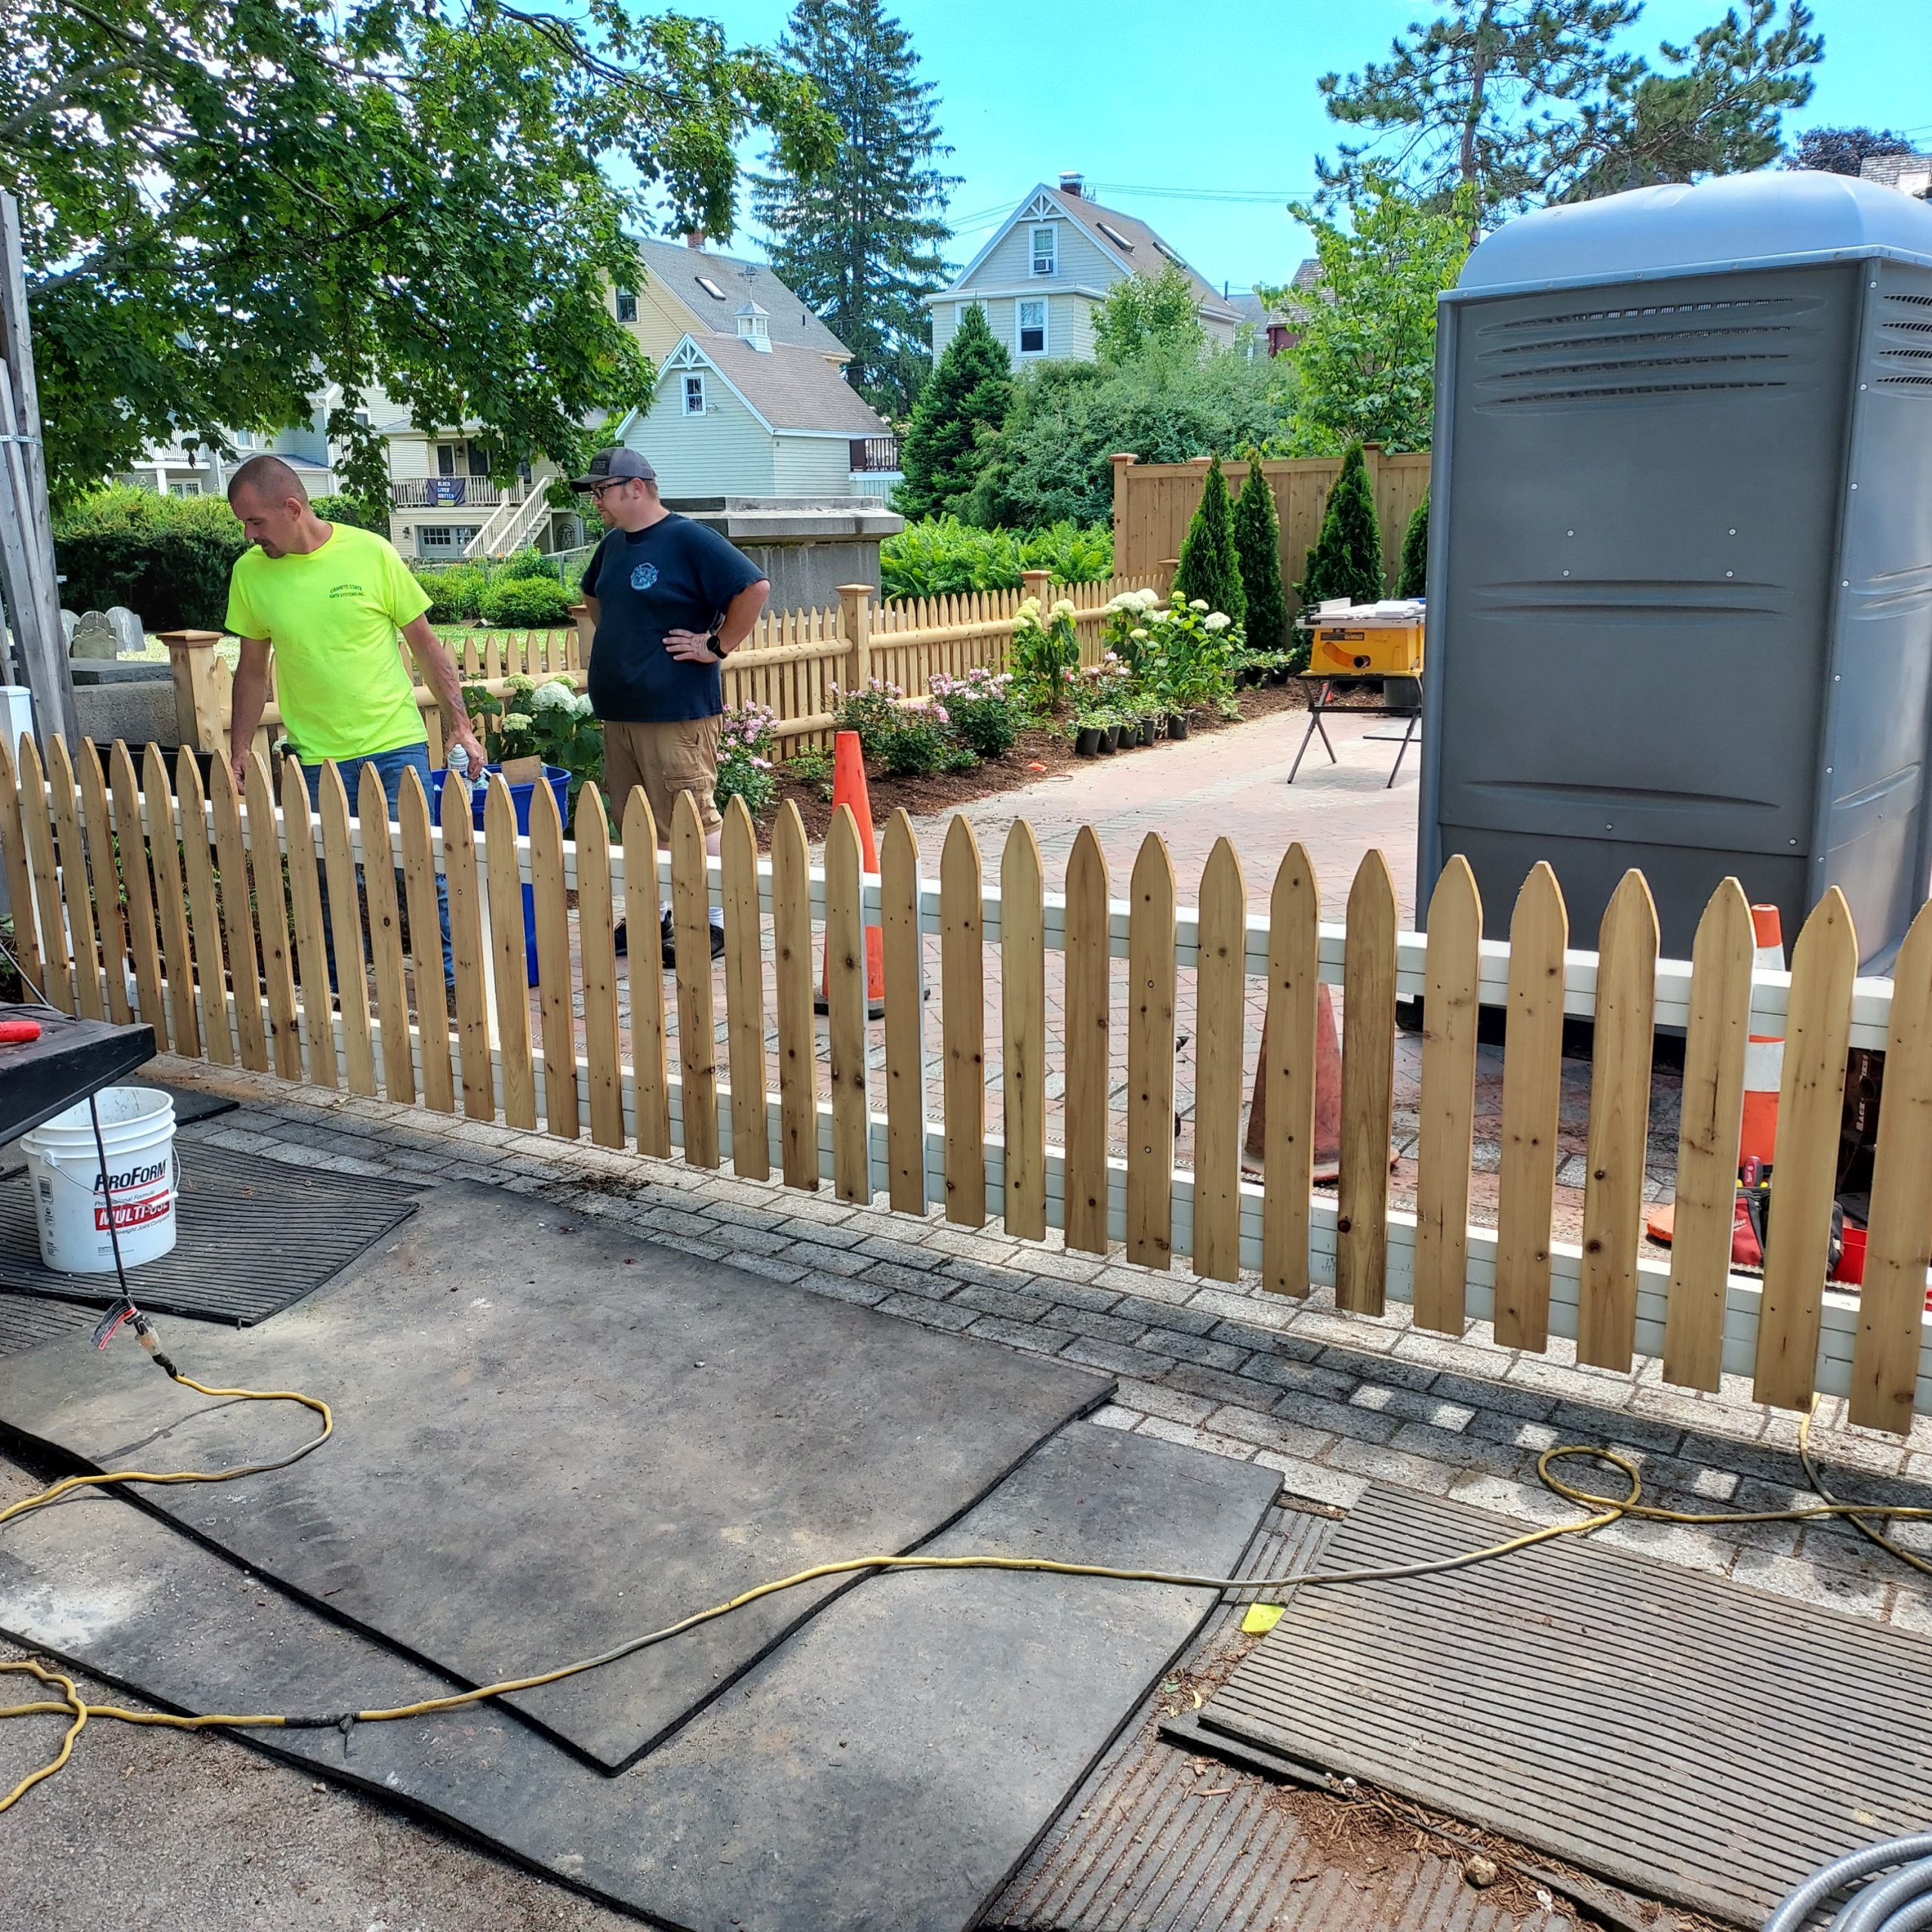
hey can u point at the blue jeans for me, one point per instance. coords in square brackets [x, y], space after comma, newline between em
[390, 766]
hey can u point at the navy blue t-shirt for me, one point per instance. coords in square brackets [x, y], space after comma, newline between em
[675, 575]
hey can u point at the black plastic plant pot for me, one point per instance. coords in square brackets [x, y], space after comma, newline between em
[1177, 724]
[1110, 740]
[1087, 741]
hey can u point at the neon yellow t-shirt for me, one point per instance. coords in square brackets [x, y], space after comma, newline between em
[332, 616]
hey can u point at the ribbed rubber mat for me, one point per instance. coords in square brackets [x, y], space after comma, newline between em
[1683, 1736]
[1156, 1839]
[255, 1236]
[26, 1320]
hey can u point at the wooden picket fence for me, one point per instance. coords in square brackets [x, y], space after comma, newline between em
[202, 915]
[793, 662]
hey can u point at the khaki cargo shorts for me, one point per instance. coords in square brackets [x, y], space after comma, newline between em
[678, 756]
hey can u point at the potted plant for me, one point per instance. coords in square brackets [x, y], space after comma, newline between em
[1086, 739]
[1110, 733]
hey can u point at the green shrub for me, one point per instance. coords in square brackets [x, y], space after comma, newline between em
[965, 398]
[1258, 555]
[527, 603]
[814, 768]
[746, 737]
[353, 511]
[902, 740]
[1209, 569]
[468, 582]
[441, 590]
[166, 558]
[1045, 655]
[1345, 560]
[1414, 580]
[531, 563]
[943, 557]
[1075, 553]
[873, 713]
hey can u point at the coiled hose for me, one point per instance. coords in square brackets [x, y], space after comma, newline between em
[1901, 1902]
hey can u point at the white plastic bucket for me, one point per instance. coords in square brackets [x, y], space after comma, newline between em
[137, 1130]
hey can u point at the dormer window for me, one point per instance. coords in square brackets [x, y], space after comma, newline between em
[1046, 250]
[754, 327]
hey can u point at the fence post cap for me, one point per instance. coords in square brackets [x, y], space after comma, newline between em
[189, 640]
[1123, 455]
[857, 589]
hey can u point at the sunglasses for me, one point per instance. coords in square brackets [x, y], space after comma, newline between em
[596, 489]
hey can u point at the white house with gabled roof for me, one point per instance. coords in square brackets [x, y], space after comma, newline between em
[1051, 263]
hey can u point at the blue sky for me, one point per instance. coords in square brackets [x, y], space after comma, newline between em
[1220, 103]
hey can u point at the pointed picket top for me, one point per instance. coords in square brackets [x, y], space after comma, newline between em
[1297, 891]
[1631, 915]
[1372, 891]
[1086, 861]
[1452, 969]
[960, 849]
[1019, 867]
[1153, 871]
[1705, 1210]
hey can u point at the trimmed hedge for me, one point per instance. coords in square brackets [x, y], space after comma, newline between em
[942, 557]
[527, 603]
[166, 558]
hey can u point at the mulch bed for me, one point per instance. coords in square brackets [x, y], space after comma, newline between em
[1038, 754]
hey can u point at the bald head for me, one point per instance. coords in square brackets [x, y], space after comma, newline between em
[268, 479]
[272, 503]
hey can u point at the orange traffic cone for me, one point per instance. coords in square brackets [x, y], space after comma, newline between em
[848, 788]
[1327, 1095]
[1763, 1057]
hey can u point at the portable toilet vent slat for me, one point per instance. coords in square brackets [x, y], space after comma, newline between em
[1680, 571]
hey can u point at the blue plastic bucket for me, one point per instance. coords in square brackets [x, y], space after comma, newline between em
[558, 780]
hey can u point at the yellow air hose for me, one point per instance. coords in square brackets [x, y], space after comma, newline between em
[1602, 1511]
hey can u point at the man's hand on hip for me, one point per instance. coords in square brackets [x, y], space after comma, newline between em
[691, 647]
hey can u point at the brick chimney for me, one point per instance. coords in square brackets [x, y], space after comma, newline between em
[1071, 184]
[694, 238]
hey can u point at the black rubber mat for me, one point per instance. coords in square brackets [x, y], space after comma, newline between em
[254, 1237]
[1166, 1836]
[885, 1769]
[1686, 1738]
[537, 1412]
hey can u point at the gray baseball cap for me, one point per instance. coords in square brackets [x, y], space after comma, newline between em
[615, 466]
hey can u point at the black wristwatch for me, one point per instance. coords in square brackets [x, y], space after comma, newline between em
[715, 644]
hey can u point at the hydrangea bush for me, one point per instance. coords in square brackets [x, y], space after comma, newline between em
[1045, 653]
[551, 721]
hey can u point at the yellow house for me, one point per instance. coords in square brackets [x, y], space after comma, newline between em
[689, 289]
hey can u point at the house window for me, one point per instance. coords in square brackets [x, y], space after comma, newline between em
[694, 395]
[446, 459]
[440, 540]
[1032, 328]
[711, 289]
[1045, 258]
[192, 487]
[626, 305]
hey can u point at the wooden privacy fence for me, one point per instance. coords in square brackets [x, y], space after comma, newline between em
[203, 916]
[1154, 501]
[790, 663]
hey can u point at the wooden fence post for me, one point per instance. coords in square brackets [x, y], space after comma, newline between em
[1122, 460]
[1038, 584]
[191, 664]
[577, 658]
[855, 616]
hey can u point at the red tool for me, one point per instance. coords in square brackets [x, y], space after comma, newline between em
[17, 1033]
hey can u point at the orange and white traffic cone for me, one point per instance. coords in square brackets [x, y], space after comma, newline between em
[848, 788]
[1763, 1057]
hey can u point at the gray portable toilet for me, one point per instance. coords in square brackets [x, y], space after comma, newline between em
[1680, 567]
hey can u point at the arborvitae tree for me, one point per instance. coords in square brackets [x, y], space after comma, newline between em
[1208, 566]
[859, 239]
[1258, 551]
[1346, 559]
[964, 400]
[1414, 581]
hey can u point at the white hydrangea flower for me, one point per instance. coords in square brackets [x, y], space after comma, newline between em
[1063, 607]
[516, 720]
[1197, 603]
[580, 705]
[1139, 632]
[1219, 621]
[556, 696]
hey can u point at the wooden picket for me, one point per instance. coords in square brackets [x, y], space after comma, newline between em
[1023, 975]
[221, 910]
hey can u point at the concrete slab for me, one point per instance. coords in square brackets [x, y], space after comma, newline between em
[551, 1436]
[885, 1771]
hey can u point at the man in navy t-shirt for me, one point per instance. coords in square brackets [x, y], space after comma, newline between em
[670, 600]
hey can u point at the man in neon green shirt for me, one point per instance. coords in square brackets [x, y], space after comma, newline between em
[328, 599]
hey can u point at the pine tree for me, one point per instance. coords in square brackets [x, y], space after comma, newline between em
[964, 403]
[1208, 568]
[1414, 580]
[859, 240]
[1258, 551]
[1346, 559]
